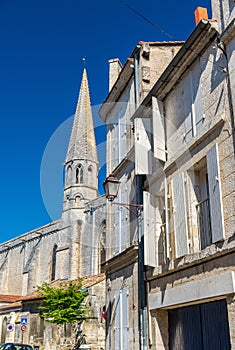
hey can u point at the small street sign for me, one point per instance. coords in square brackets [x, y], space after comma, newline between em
[10, 327]
[24, 321]
[23, 328]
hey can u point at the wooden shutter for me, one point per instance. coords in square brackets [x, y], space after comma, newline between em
[149, 230]
[115, 145]
[215, 195]
[168, 247]
[125, 318]
[117, 230]
[143, 157]
[117, 320]
[158, 130]
[197, 109]
[123, 222]
[180, 215]
[122, 137]
[187, 103]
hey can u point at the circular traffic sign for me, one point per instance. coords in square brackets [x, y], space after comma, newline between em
[23, 327]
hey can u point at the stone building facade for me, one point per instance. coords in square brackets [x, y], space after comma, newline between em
[62, 250]
[170, 269]
[133, 83]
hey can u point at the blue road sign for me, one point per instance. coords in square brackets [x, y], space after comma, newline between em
[24, 321]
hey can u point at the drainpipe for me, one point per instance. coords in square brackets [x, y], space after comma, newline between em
[136, 76]
[141, 277]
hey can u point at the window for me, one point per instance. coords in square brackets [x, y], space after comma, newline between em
[53, 263]
[206, 211]
[102, 244]
[79, 174]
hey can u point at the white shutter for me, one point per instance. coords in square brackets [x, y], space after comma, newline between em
[180, 215]
[167, 219]
[123, 226]
[187, 89]
[117, 320]
[116, 145]
[149, 230]
[215, 195]
[117, 230]
[158, 130]
[143, 153]
[197, 109]
[122, 137]
[125, 318]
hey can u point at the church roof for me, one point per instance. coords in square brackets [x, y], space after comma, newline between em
[82, 144]
[9, 298]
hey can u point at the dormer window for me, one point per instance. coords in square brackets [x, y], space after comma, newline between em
[79, 174]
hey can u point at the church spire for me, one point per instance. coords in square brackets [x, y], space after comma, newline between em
[81, 164]
[82, 143]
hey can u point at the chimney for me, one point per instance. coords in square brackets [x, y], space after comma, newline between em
[115, 67]
[199, 14]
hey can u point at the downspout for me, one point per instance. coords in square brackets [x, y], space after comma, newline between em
[141, 277]
[136, 77]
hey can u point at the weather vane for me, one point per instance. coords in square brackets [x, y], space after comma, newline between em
[84, 61]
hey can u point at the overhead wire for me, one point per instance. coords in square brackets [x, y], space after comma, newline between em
[146, 19]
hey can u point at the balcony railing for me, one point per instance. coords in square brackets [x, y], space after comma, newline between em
[204, 223]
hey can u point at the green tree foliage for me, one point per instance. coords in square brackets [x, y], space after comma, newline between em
[63, 304]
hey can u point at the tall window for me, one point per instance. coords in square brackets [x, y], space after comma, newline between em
[79, 174]
[4, 330]
[53, 263]
[102, 244]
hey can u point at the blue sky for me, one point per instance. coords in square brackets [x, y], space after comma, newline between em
[42, 46]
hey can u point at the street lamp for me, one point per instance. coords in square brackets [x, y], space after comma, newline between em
[111, 187]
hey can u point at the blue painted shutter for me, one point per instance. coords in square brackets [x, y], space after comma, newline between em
[215, 194]
[158, 129]
[143, 153]
[149, 230]
[180, 215]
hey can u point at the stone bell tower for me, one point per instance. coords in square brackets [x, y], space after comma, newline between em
[81, 165]
[81, 181]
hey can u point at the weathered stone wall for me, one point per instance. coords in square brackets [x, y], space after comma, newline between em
[223, 12]
[154, 58]
[117, 280]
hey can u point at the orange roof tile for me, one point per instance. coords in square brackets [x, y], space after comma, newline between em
[9, 298]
